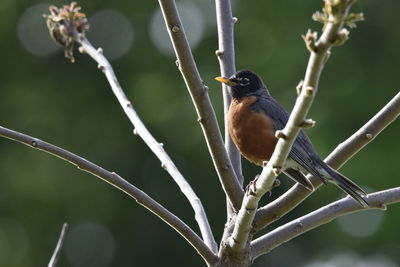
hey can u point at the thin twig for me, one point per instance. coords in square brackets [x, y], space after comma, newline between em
[57, 251]
[243, 226]
[114, 179]
[285, 203]
[319, 217]
[202, 103]
[151, 142]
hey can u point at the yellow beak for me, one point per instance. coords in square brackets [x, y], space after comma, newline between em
[225, 81]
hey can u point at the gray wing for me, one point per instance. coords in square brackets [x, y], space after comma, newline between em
[302, 151]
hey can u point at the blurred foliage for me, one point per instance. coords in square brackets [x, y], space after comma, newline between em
[71, 105]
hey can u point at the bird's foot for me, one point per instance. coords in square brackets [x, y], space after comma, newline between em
[251, 187]
[275, 184]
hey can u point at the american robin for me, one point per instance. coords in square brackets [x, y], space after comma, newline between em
[254, 117]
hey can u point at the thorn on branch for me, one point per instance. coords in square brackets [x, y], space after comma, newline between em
[100, 50]
[299, 225]
[234, 20]
[100, 67]
[175, 29]
[369, 136]
[177, 63]
[34, 143]
[219, 53]
[135, 132]
[310, 40]
[309, 90]
[308, 123]
[226, 167]
[299, 87]
[280, 134]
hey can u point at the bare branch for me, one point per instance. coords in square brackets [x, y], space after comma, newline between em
[71, 20]
[285, 203]
[226, 57]
[319, 217]
[151, 142]
[57, 250]
[114, 179]
[266, 179]
[202, 103]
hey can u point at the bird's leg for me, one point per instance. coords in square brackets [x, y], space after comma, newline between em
[277, 183]
[251, 187]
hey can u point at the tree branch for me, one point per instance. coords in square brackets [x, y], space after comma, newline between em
[57, 251]
[319, 52]
[285, 203]
[151, 142]
[67, 25]
[319, 217]
[114, 179]
[226, 57]
[202, 103]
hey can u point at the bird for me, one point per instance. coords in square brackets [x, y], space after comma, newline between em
[254, 116]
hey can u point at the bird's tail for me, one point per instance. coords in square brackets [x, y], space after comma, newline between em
[346, 185]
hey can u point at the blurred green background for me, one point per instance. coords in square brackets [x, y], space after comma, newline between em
[71, 105]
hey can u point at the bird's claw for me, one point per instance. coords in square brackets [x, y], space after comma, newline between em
[275, 184]
[251, 187]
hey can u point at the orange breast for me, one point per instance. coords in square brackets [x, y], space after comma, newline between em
[252, 132]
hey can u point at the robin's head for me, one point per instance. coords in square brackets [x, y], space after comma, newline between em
[243, 83]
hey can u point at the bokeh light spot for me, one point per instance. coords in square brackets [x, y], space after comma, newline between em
[4, 4]
[350, 259]
[89, 244]
[112, 31]
[32, 31]
[192, 20]
[13, 242]
[361, 224]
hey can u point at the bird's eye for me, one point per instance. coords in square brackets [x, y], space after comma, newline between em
[244, 81]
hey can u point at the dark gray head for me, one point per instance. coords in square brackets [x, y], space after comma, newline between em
[243, 83]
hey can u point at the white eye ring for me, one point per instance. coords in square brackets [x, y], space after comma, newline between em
[244, 82]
